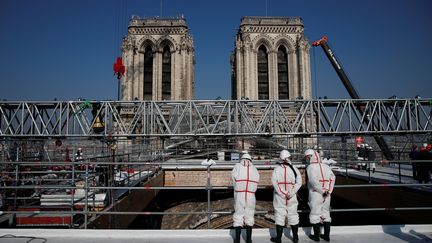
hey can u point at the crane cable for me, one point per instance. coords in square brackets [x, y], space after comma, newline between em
[315, 73]
[120, 13]
[120, 21]
[117, 28]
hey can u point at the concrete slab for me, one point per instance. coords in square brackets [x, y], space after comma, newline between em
[352, 234]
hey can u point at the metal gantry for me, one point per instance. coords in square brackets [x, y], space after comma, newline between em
[215, 118]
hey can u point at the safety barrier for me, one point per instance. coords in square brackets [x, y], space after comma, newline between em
[24, 184]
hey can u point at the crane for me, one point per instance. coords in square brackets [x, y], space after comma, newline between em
[351, 90]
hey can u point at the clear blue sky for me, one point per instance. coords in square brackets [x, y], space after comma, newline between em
[65, 49]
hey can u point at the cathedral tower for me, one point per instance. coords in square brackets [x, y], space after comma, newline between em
[158, 54]
[271, 60]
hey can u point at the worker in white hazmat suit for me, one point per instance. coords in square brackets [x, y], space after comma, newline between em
[286, 180]
[321, 181]
[245, 178]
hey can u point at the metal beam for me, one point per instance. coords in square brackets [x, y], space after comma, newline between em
[216, 118]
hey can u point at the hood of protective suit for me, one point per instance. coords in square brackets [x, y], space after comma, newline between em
[285, 156]
[245, 162]
[315, 157]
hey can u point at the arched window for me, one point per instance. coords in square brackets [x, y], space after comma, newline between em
[166, 73]
[282, 65]
[263, 83]
[148, 73]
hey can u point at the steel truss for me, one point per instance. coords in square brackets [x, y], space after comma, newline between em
[216, 118]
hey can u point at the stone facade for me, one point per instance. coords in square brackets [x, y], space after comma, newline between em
[271, 59]
[158, 54]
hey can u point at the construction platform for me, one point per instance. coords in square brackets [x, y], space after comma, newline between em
[352, 234]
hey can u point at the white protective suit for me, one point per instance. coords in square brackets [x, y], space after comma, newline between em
[245, 178]
[286, 184]
[320, 180]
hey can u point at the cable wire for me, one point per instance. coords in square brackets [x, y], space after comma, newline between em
[315, 73]
[10, 236]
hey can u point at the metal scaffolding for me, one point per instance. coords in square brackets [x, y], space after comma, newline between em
[26, 192]
[215, 118]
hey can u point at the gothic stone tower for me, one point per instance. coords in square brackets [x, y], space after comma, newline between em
[159, 58]
[271, 60]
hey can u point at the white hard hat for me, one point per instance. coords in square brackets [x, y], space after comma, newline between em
[284, 154]
[309, 152]
[246, 156]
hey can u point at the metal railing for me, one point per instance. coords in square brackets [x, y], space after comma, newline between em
[22, 186]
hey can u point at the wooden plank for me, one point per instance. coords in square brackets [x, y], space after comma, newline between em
[56, 220]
